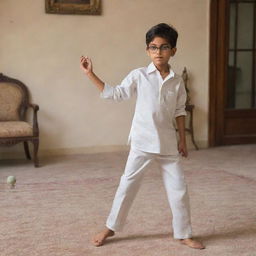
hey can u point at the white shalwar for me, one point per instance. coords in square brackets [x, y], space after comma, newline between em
[152, 137]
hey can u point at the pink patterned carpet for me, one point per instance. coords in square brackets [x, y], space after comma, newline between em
[56, 209]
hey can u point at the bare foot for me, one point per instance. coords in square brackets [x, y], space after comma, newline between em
[99, 239]
[192, 243]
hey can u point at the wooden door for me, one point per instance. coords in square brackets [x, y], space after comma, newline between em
[232, 72]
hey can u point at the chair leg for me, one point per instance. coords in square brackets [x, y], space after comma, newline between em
[193, 141]
[36, 146]
[192, 130]
[26, 149]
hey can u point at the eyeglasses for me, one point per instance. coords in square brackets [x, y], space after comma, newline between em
[163, 48]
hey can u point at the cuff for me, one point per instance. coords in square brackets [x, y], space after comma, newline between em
[180, 113]
[107, 92]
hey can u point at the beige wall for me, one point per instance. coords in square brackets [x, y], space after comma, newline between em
[43, 51]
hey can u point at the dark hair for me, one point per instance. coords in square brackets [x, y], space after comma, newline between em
[162, 30]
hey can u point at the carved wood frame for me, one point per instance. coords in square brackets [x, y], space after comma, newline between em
[53, 7]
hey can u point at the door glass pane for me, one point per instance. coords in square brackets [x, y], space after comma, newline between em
[245, 26]
[232, 19]
[243, 80]
[230, 102]
[231, 59]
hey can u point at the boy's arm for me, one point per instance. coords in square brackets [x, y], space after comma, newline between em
[182, 146]
[180, 114]
[121, 92]
[86, 66]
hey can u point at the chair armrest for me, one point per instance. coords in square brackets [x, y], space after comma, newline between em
[189, 107]
[35, 108]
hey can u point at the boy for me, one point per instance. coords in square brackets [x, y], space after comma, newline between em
[161, 96]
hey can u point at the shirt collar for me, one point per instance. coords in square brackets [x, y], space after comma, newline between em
[152, 68]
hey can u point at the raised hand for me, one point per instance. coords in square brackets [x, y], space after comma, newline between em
[86, 65]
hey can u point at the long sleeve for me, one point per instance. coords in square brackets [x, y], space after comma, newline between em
[181, 101]
[124, 91]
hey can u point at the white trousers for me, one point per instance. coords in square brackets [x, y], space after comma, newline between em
[175, 185]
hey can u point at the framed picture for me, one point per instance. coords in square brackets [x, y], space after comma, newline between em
[92, 7]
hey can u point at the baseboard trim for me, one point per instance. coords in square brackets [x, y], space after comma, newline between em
[64, 151]
[15, 154]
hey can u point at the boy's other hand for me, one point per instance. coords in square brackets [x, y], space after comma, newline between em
[86, 65]
[182, 148]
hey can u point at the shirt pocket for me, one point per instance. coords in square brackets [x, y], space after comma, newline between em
[170, 101]
[169, 97]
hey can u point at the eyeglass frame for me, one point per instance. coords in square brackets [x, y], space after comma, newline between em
[163, 47]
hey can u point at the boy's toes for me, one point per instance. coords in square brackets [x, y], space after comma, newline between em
[97, 242]
[192, 243]
[100, 238]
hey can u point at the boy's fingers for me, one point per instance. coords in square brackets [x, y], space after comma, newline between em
[86, 59]
[83, 61]
[183, 152]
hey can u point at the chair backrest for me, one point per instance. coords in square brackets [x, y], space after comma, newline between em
[13, 99]
[185, 79]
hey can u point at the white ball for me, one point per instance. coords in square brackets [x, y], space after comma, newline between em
[11, 180]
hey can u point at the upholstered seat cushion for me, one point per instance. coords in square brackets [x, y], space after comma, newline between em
[15, 129]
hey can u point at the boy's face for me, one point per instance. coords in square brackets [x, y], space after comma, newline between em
[160, 51]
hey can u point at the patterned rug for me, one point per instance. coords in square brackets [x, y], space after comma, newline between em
[54, 210]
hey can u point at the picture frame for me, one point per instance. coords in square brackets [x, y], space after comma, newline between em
[89, 7]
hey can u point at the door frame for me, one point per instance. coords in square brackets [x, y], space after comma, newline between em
[217, 70]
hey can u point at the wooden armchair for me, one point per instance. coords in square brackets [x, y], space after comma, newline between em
[14, 102]
[189, 108]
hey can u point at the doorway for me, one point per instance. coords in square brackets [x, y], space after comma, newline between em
[232, 118]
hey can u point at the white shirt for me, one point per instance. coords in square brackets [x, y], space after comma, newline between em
[158, 102]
